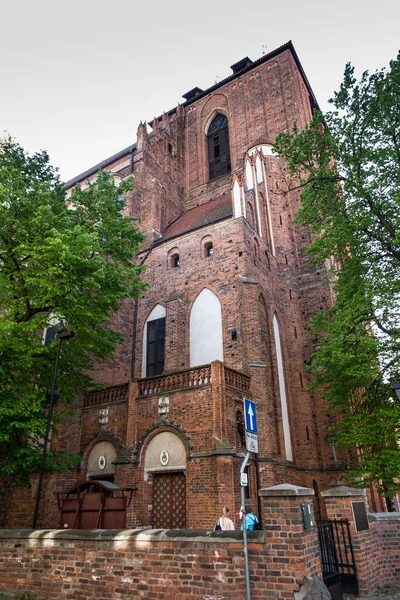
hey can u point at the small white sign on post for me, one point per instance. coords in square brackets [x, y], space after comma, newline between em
[251, 442]
[243, 479]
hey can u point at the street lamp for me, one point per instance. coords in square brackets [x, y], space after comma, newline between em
[396, 389]
[61, 333]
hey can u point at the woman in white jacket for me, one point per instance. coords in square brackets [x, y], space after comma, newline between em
[224, 523]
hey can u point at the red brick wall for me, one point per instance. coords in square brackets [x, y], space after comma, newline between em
[211, 461]
[385, 528]
[293, 551]
[100, 567]
[376, 550]
[105, 566]
[259, 104]
[164, 565]
[115, 426]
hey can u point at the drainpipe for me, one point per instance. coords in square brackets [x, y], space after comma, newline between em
[131, 165]
[259, 503]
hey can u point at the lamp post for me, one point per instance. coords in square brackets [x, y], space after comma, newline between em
[52, 396]
[396, 389]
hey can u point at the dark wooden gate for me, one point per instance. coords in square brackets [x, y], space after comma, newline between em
[169, 501]
[337, 557]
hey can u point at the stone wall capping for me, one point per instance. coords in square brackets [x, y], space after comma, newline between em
[286, 489]
[390, 516]
[343, 490]
[133, 535]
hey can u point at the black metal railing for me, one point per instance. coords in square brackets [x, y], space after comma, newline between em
[329, 561]
[337, 557]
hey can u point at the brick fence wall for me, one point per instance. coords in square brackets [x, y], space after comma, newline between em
[377, 549]
[386, 530]
[154, 564]
[166, 565]
[196, 564]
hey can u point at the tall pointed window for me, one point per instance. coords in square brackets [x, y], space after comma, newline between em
[154, 343]
[219, 160]
[155, 347]
[206, 342]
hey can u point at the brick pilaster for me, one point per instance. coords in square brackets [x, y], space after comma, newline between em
[292, 550]
[219, 400]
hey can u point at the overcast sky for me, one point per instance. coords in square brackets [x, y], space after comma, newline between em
[76, 77]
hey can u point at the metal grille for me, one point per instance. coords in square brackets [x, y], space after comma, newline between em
[345, 555]
[169, 501]
[329, 562]
[337, 557]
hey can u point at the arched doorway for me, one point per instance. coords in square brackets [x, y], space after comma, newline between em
[165, 463]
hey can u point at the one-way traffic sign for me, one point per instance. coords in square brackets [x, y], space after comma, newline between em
[250, 415]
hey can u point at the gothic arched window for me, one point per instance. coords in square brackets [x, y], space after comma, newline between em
[206, 342]
[154, 342]
[219, 159]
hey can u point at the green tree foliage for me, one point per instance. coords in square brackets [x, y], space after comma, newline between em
[69, 259]
[347, 164]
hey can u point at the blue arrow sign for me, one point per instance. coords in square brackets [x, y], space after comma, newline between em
[250, 415]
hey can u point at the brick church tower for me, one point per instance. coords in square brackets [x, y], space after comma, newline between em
[230, 292]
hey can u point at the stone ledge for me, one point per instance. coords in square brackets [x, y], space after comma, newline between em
[342, 491]
[286, 489]
[391, 516]
[133, 535]
[257, 363]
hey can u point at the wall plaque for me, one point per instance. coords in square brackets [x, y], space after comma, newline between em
[360, 516]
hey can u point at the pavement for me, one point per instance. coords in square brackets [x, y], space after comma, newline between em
[384, 592]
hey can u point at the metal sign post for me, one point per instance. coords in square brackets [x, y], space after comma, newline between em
[245, 552]
[251, 430]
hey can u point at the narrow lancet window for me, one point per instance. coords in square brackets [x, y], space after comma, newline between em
[219, 160]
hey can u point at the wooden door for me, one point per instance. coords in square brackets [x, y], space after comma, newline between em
[169, 501]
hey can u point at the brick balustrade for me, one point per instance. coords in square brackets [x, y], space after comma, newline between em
[110, 395]
[181, 379]
[191, 378]
[236, 379]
